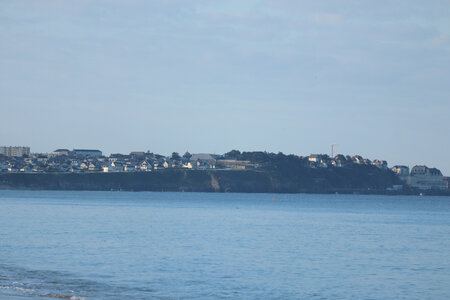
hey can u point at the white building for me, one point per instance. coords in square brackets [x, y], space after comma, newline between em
[425, 178]
[382, 164]
[61, 152]
[14, 151]
[401, 171]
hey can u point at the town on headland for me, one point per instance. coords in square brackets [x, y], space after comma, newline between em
[234, 171]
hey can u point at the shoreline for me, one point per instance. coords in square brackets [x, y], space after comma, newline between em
[217, 181]
[375, 193]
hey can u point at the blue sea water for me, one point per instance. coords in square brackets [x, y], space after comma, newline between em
[120, 245]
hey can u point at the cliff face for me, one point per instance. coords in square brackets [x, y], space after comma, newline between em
[305, 180]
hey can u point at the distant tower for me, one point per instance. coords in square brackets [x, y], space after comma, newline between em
[332, 149]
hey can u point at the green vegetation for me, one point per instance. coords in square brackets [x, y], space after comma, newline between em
[281, 179]
[236, 172]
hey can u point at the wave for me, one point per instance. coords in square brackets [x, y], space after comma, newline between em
[33, 293]
[18, 281]
[63, 297]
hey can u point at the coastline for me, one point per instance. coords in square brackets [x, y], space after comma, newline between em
[208, 181]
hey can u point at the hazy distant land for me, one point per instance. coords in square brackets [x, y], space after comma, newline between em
[235, 171]
[362, 179]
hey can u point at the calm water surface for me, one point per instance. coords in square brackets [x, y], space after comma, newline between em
[118, 245]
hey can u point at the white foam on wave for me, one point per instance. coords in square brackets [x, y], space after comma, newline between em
[16, 288]
[60, 296]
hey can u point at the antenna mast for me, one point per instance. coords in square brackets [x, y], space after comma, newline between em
[332, 149]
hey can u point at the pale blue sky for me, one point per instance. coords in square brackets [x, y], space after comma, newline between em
[211, 76]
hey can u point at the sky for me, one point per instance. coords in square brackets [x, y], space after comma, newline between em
[211, 76]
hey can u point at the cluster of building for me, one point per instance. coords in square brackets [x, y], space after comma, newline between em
[325, 161]
[422, 177]
[90, 160]
[20, 159]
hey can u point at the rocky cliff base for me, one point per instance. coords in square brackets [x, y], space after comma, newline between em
[341, 180]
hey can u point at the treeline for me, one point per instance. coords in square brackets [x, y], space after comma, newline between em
[271, 161]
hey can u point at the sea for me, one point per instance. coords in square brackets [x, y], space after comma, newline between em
[151, 245]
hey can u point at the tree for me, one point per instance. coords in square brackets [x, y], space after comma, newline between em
[233, 154]
[176, 156]
[187, 155]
